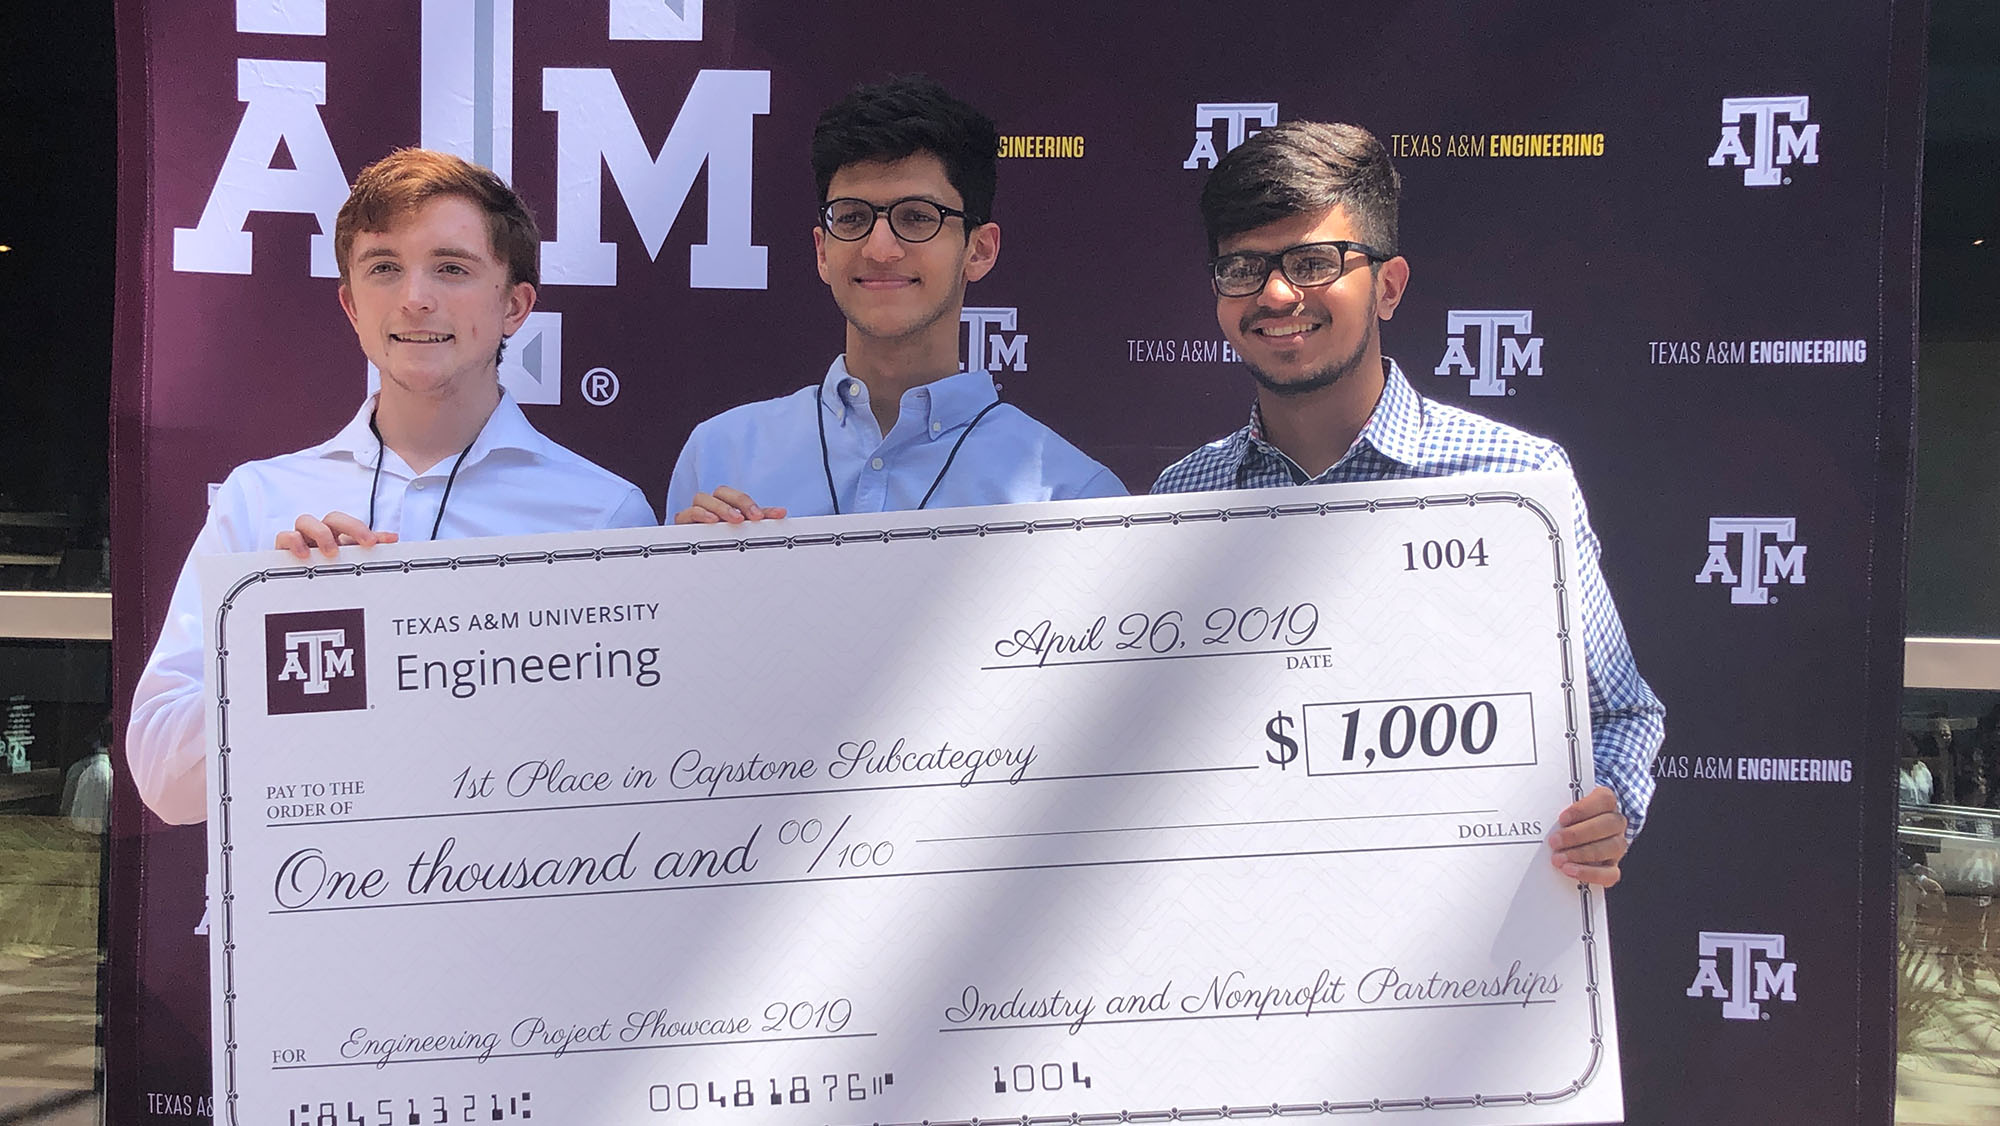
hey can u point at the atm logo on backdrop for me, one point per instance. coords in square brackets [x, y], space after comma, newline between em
[1766, 554]
[464, 91]
[315, 662]
[1774, 143]
[1757, 972]
[991, 342]
[1231, 123]
[1506, 346]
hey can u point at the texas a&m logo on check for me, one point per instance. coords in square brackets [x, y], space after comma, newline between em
[315, 662]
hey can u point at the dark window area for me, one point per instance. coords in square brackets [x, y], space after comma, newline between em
[58, 131]
[58, 117]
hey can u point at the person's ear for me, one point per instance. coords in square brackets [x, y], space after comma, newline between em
[1391, 279]
[520, 302]
[982, 251]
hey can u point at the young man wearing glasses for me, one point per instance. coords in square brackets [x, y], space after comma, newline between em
[906, 175]
[1301, 225]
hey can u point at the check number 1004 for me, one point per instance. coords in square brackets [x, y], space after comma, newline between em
[1378, 736]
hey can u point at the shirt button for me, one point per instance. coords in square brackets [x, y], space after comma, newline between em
[936, 426]
[854, 390]
[418, 485]
[876, 464]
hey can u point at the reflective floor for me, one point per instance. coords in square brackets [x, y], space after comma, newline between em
[49, 1058]
[1948, 994]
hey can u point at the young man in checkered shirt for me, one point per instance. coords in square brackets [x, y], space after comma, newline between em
[1301, 222]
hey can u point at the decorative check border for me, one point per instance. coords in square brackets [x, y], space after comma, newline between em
[1570, 681]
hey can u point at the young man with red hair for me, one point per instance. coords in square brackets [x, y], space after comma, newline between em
[438, 265]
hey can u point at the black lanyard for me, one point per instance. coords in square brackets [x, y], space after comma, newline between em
[826, 458]
[377, 482]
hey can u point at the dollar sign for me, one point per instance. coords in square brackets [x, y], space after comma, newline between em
[1287, 748]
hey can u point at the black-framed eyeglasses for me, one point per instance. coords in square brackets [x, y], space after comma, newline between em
[1308, 265]
[911, 218]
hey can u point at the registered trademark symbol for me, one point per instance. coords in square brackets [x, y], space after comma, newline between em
[1764, 1016]
[1788, 180]
[600, 386]
[1513, 390]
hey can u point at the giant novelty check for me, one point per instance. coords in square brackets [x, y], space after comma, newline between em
[1221, 805]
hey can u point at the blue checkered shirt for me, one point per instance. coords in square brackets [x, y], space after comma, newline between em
[1411, 436]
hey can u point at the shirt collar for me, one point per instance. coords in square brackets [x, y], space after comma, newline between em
[354, 439]
[506, 429]
[938, 407]
[1394, 428]
[840, 390]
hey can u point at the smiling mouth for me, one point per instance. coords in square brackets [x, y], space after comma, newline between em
[420, 337]
[884, 282]
[1288, 329]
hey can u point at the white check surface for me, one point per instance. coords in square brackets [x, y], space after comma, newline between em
[809, 823]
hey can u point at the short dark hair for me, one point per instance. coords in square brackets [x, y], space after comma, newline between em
[904, 116]
[1298, 167]
[406, 179]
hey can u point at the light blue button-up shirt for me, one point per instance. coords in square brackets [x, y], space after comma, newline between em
[771, 451]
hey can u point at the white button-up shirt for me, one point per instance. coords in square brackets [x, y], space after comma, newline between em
[513, 481]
